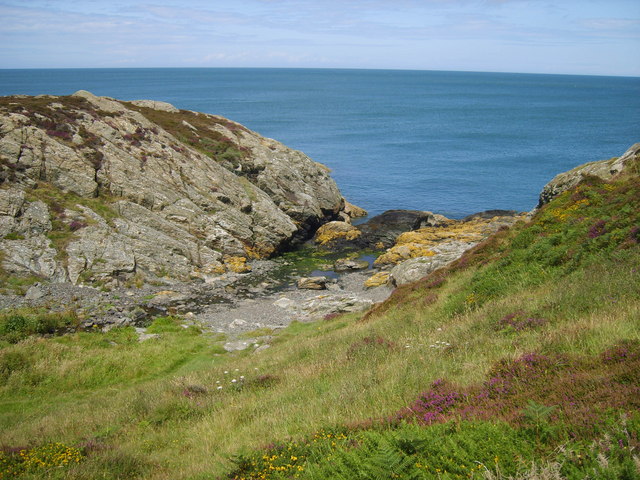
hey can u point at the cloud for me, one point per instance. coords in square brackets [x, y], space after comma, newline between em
[373, 33]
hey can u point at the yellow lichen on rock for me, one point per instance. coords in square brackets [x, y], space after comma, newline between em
[259, 250]
[420, 243]
[399, 253]
[237, 264]
[332, 231]
[380, 278]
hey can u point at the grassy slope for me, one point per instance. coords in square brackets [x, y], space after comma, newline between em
[565, 284]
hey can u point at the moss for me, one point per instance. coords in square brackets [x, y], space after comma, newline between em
[249, 189]
[13, 236]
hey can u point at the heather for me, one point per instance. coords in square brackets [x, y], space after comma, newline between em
[577, 413]
[520, 360]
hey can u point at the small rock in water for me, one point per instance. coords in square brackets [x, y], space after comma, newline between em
[348, 265]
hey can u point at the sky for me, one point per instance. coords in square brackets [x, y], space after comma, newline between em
[593, 37]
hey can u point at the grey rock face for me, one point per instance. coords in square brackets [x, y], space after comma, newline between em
[414, 269]
[146, 189]
[323, 305]
[604, 169]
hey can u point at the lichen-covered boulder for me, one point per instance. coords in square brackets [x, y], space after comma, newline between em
[312, 283]
[377, 280]
[334, 234]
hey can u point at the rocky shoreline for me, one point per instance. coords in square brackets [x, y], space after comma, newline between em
[247, 307]
[121, 212]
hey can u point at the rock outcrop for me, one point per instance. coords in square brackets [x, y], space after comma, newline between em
[419, 252]
[98, 190]
[604, 169]
[383, 230]
[378, 232]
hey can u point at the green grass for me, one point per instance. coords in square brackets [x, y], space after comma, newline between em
[562, 287]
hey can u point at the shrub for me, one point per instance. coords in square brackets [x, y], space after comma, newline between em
[17, 326]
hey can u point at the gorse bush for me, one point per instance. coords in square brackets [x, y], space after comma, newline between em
[15, 462]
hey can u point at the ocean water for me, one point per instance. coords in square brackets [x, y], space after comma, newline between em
[453, 143]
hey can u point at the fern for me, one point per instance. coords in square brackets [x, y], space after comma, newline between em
[379, 456]
[537, 413]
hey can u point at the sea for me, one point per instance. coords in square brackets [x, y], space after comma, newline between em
[453, 143]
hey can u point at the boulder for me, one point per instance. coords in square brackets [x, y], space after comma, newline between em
[323, 305]
[285, 303]
[156, 105]
[377, 280]
[337, 234]
[416, 268]
[447, 235]
[383, 230]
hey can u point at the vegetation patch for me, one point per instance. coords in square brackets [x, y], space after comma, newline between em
[197, 131]
[20, 324]
[576, 414]
[37, 460]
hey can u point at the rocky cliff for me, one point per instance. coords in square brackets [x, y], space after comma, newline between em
[98, 190]
[604, 169]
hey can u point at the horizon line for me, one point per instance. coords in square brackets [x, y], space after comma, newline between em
[321, 68]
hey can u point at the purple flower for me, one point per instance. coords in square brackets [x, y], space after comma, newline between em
[597, 229]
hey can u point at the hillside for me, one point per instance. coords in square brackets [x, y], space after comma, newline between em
[519, 360]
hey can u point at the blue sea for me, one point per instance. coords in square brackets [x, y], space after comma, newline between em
[453, 143]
